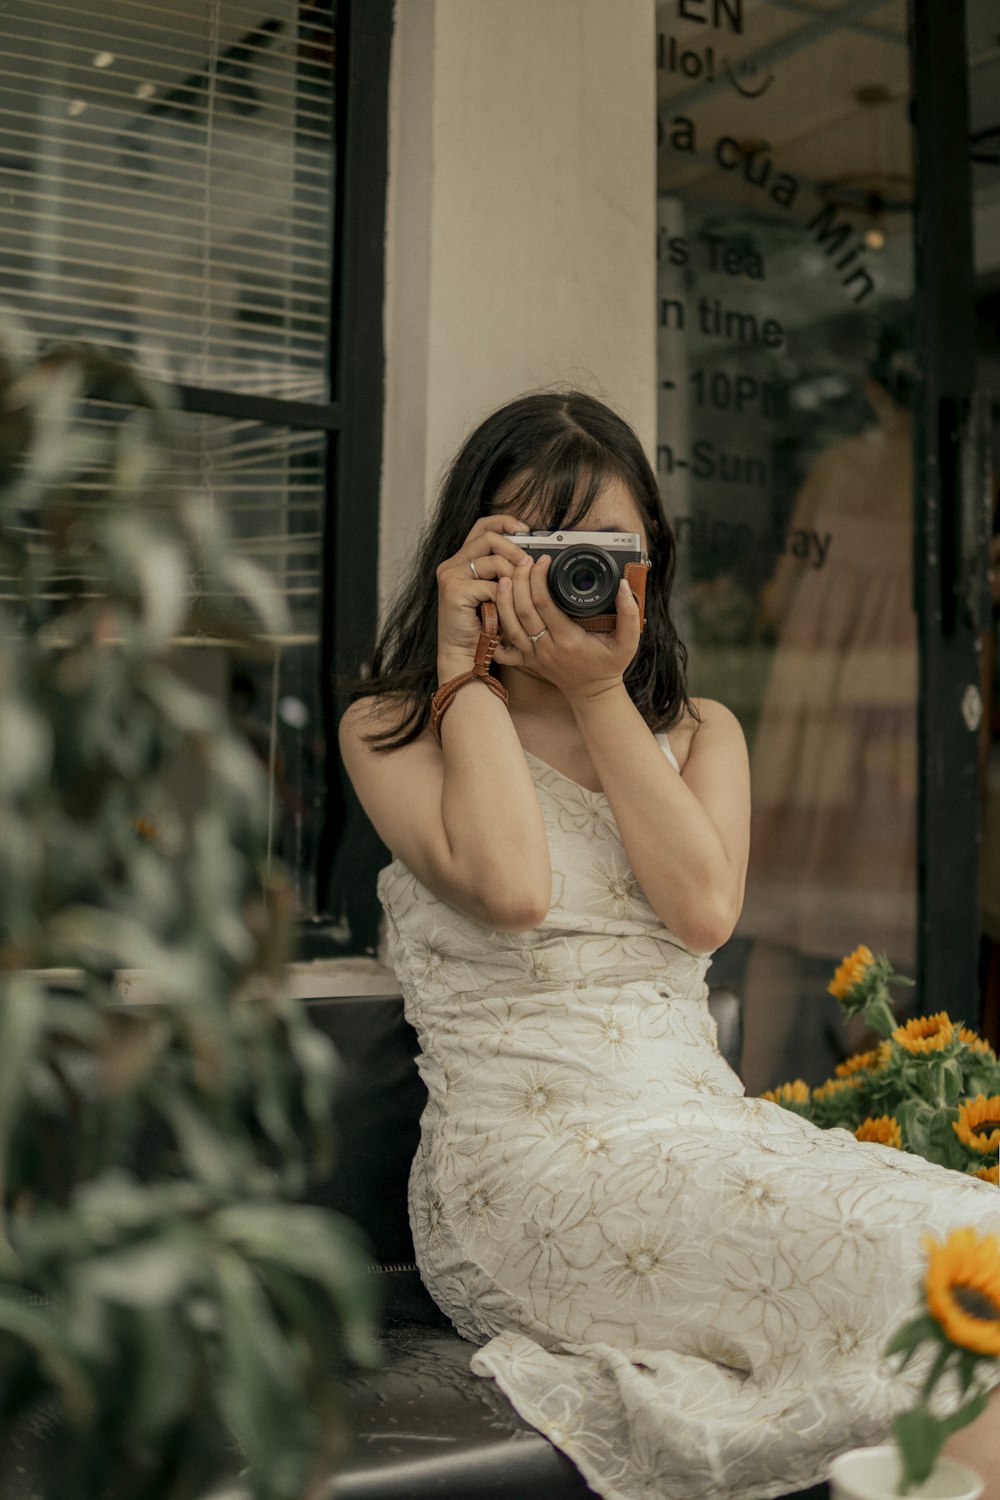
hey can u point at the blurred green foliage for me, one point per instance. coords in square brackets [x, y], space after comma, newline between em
[163, 1296]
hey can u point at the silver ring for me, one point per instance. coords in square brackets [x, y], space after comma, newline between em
[472, 570]
[544, 631]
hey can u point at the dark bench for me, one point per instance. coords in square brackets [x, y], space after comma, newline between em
[424, 1425]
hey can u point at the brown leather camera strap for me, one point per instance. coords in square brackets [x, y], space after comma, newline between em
[489, 640]
[635, 575]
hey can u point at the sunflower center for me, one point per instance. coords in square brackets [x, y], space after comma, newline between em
[986, 1126]
[976, 1303]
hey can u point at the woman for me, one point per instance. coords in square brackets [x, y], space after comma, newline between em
[686, 1290]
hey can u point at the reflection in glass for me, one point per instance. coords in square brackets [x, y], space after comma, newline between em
[784, 456]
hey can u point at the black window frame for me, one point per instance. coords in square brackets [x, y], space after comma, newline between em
[346, 919]
[951, 533]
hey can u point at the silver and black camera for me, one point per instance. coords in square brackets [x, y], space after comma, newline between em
[587, 567]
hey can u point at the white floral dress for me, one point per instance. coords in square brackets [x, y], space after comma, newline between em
[686, 1290]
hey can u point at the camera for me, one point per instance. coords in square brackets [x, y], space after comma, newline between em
[586, 569]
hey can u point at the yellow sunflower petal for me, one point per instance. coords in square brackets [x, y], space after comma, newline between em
[962, 1286]
[861, 1062]
[788, 1093]
[834, 1086]
[978, 1124]
[884, 1129]
[974, 1041]
[989, 1174]
[925, 1033]
[850, 972]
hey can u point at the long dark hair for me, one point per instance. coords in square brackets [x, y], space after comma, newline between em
[547, 456]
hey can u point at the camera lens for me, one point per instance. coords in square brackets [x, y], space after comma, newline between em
[583, 580]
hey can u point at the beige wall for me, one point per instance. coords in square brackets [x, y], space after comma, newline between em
[521, 225]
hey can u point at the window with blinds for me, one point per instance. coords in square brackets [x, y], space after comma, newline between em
[169, 179]
[168, 176]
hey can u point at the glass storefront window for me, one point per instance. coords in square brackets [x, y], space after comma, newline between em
[984, 91]
[174, 189]
[786, 372]
[168, 185]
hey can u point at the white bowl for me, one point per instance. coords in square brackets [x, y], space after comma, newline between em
[873, 1474]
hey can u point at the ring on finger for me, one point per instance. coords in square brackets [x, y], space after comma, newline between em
[538, 634]
[472, 569]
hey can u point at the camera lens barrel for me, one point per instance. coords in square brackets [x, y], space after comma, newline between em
[583, 580]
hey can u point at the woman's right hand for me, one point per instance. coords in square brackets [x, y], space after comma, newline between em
[461, 592]
[435, 806]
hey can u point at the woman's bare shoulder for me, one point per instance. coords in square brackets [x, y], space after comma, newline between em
[358, 713]
[710, 721]
[375, 712]
[710, 711]
[367, 717]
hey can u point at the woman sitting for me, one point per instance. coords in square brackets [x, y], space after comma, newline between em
[687, 1290]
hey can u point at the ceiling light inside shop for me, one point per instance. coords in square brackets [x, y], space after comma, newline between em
[76, 107]
[145, 91]
[875, 192]
[103, 59]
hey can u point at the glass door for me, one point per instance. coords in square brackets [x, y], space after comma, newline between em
[807, 393]
[984, 111]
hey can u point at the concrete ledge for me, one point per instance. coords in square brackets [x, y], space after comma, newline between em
[324, 978]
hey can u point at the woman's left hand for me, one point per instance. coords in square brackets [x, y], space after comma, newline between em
[542, 638]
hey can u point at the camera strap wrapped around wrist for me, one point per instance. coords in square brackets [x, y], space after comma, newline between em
[489, 640]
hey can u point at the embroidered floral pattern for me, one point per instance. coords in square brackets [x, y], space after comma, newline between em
[640, 1248]
[641, 1267]
[538, 1093]
[480, 1207]
[591, 1144]
[430, 1212]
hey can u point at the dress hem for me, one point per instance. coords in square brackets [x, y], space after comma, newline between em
[776, 1489]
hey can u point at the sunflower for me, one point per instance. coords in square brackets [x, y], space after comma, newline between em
[788, 1093]
[989, 1174]
[963, 1289]
[885, 1130]
[834, 1086]
[851, 972]
[925, 1033]
[863, 1062]
[978, 1124]
[975, 1042]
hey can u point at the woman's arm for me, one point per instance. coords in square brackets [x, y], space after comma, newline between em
[463, 815]
[686, 834]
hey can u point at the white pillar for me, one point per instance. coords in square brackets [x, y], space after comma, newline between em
[521, 225]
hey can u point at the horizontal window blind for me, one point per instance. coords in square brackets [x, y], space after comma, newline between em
[167, 174]
[170, 175]
[266, 483]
